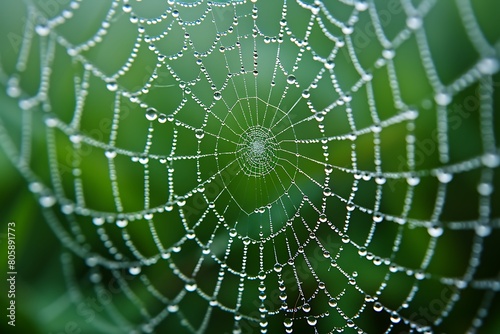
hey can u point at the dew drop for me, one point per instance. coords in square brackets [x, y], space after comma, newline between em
[122, 223]
[377, 307]
[332, 302]
[312, 321]
[291, 79]
[233, 233]
[444, 177]
[217, 96]
[306, 307]
[413, 180]
[278, 267]
[435, 231]
[491, 160]
[306, 94]
[47, 201]
[42, 30]
[112, 86]
[261, 275]
[151, 114]
[361, 6]
[199, 133]
[288, 323]
[395, 318]
[190, 286]
[329, 64]
[488, 66]
[172, 308]
[98, 221]
[414, 22]
[362, 251]
[483, 230]
[110, 154]
[442, 99]
[134, 270]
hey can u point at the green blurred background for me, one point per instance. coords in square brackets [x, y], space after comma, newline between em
[45, 299]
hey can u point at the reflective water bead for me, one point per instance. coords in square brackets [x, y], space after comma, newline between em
[110, 154]
[332, 302]
[42, 30]
[47, 201]
[134, 270]
[377, 307]
[288, 322]
[151, 114]
[306, 307]
[435, 231]
[312, 321]
[190, 286]
[414, 22]
[199, 133]
[488, 66]
[112, 86]
[329, 64]
[395, 318]
[217, 96]
[291, 79]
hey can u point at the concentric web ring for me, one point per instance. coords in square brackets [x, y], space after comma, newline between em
[263, 166]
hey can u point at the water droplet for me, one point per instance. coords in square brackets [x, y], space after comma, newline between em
[414, 22]
[199, 133]
[361, 6]
[162, 118]
[488, 66]
[134, 270]
[190, 286]
[306, 307]
[413, 180]
[217, 96]
[306, 94]
[312, 321]
[420, 275]
[42, 30]
[175, 13]
[110, 154]
[47, 201]
[151, 114]
[377, 307]
[362, 251]
[291, 79]
[127, 8]
[288, 322]
[395, 318]
[485, 189]
[483, 230]
[435, 231]
[388, 54]
[444, 177]
[442, 99]
[332, 302]
[112, 86]
[329, 64]
[122, 223]
[348, 30]
[278, 267]
[233, 233]
[491, 160]
[261, 275]
[98, 221]
[172, 308]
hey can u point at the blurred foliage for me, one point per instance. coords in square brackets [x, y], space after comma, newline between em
[43, 297]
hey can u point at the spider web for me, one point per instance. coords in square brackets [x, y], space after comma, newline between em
[245, 166]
